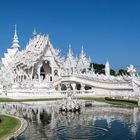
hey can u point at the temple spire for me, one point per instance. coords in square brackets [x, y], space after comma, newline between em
[82, 50]
[69, 52]
[82, 55]
[92, 68]
[107, 68]
[34, 32]
[15, 39]
[71, 62]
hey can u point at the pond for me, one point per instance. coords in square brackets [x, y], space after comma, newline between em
[100, 121]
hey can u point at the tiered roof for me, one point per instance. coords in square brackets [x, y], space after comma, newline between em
[40, 48]
[83, 62]
[9, 56]
[35, 50]
[71, 61]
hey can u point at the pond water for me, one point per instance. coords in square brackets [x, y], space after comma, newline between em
[99, 122]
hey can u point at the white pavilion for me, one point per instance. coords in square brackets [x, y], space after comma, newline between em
[39, 69]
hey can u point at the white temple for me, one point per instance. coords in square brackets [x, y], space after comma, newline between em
[39, 69]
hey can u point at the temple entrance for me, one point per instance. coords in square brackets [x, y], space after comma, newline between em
[42, 73]
[46, 71]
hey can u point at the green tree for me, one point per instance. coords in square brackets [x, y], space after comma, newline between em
[122, 72]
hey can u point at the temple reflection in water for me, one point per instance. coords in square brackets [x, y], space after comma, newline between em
[45, 121]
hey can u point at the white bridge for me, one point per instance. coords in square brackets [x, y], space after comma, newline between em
[96, 88]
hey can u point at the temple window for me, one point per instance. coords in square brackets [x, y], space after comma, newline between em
[55, 72]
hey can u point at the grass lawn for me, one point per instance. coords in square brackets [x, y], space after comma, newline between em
[27, 100]
[8, 125]
[112, 101]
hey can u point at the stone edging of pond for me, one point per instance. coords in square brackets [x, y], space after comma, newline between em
[22, 128]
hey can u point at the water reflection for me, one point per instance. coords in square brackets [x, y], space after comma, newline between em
[102, 121]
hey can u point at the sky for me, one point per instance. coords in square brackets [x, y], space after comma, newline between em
[107, 29]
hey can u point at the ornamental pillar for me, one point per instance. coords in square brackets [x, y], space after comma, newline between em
[68, 86]
[59, 88]
[82, 87]
[52, 73]
[38, 72]
[31, 76]
[73, 87]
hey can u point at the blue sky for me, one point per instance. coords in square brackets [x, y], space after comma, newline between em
[108, 29]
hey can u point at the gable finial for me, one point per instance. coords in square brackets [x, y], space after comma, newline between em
[15, 39]
[34, 32]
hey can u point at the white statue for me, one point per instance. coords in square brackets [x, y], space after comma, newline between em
[131, 70]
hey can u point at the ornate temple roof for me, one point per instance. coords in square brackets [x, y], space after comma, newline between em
[40, 49]
[83, 62]
[35, 51]
[70, 61]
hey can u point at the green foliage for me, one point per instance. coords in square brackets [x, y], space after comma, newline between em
[121, 100]
[112, 72]
[27, 100]
[100, 68]
[122, 72]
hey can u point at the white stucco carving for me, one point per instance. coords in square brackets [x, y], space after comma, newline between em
[41, 67]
